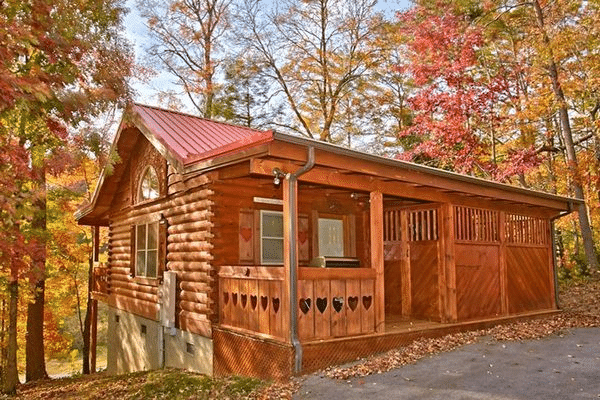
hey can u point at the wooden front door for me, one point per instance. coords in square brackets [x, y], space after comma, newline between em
[396, 264]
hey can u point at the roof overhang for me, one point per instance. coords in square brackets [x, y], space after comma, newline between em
[263, 144]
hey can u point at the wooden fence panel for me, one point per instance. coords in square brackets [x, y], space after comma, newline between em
[477, 281]
[424, 280]
[528, 279]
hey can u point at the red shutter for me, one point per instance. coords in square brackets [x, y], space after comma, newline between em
[132, 249]
[303, 239]
[246, 237]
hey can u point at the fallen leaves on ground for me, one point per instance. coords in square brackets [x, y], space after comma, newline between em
[580, 302]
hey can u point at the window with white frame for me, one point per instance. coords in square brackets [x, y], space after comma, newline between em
[331, 237]
[146, 250]
[271, 237]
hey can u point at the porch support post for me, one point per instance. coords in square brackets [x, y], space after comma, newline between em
[290, 255]
[376, 221]
[449, 262]
[94, 305]
[96, 242]
[405, 281]
[502, 262]
[289, 314]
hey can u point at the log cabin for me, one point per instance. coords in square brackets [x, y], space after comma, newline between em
[238, 251]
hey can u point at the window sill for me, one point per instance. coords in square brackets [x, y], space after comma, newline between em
[146, 281]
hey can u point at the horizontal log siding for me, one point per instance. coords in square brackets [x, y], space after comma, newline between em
[187, 250]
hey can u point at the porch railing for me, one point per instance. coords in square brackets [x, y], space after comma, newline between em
[331, 302]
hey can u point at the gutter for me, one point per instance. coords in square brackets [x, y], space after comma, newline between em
[293, 257]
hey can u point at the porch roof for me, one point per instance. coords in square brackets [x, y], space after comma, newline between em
[193, 144]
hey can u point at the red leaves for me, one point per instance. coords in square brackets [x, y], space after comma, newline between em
[457, 95]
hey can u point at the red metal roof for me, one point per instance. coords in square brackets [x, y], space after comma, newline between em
[191, 138]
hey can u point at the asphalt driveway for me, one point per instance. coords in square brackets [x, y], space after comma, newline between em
[566, 366]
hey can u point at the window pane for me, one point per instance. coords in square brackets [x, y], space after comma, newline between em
[141, 237]
[149, 186]
[331, 237]
[272, 251]
[140, 263]
[272, 225]
[152, 236]
[151, 261]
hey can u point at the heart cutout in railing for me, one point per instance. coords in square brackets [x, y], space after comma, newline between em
[305, 305]
[353, 302]
[253, 301]
[337, 303]
[234, 298]
[225, 297]
[244, 298]
[275, 303]
[321, 304]
[264, 302]
[367, 300]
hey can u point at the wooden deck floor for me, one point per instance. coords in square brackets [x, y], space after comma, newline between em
[398, 325]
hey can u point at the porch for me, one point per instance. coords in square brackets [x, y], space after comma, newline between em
[239, 352]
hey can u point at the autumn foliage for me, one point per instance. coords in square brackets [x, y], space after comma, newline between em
[62, 63]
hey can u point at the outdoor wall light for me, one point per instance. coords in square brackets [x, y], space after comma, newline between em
[278, 175]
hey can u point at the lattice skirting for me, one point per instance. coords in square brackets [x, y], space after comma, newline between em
[238, 354]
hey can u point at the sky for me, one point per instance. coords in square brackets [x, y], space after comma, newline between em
[137, 34]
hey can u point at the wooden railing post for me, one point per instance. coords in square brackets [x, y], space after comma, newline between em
[377, 256]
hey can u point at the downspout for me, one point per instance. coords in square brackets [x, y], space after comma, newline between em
[293, 232]
[554, 266]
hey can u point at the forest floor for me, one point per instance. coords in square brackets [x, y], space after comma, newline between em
[579, 301]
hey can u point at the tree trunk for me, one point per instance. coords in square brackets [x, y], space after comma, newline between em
[10, 377]
[584, 222]
[35, 363]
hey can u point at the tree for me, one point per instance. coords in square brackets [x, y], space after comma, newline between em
[509, 82]
[456, 97]
[387, 104]
[187, 36]
[567, 134]
[244, 95]
[62, 62]
[558, 38]
[316, 52]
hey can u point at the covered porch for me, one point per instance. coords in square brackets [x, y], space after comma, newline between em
[426, 267]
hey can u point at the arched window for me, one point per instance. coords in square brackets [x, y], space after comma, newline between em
[149, 185]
